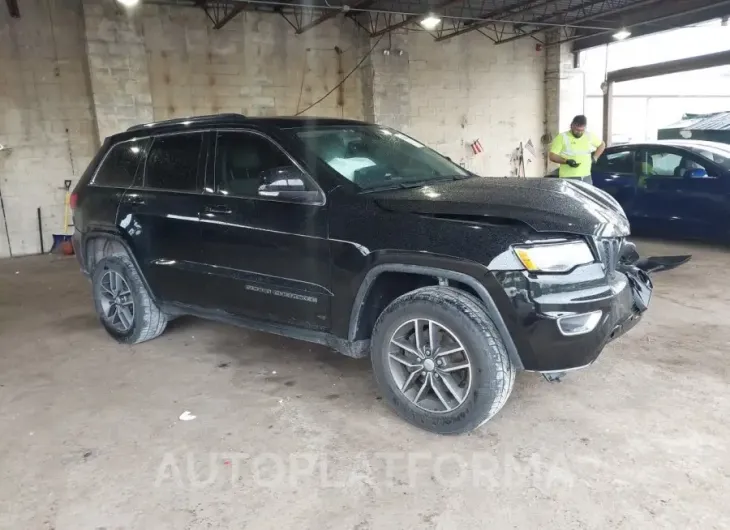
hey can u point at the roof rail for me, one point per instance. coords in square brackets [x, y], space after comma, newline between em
[187, 121]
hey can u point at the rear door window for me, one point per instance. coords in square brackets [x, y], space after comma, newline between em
[173, 162]
[120, 166]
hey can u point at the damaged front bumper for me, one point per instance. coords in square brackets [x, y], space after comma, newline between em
[563, 322]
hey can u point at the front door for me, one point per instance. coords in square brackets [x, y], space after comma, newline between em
[615, 174]
[267, 256]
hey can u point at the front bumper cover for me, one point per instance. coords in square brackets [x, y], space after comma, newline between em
[537, 300]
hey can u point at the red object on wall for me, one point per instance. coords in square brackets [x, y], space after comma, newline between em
[476, 147]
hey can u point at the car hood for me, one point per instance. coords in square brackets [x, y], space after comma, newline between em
[546, 205]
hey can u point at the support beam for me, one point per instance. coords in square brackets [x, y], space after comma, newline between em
[669, 67]
[607, 112]
[412, 18]
[682, 17]
[509, 10]
[332, 14]
[235, 10]
[580, 19]
[13, 8]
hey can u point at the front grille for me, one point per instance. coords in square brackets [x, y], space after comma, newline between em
[609, 250]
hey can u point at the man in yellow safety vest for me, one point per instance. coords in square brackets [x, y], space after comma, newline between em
[576, 150]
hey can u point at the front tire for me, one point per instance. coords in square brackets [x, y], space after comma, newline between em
[439, 360]
[122, 302]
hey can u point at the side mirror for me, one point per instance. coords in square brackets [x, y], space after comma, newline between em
[696, 173]
[288, 183]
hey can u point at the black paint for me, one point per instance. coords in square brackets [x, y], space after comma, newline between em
[224, 257]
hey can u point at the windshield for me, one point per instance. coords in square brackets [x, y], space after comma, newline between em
[377, 157]
[719, 155]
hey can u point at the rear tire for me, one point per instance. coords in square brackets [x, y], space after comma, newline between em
[122, 302]
[454, 392]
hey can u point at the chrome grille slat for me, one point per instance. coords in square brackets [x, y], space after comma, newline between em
[609, 250]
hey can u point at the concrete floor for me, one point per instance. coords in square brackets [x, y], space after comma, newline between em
[290, 435]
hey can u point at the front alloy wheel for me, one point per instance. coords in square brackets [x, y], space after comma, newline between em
[430, 365]
[439, 360]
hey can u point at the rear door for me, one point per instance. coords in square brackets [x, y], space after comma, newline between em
[673, 201]
[98, 202]
[703, 198]
[268, 257]
[160, 215]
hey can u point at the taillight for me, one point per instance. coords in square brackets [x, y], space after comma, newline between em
[73, 200]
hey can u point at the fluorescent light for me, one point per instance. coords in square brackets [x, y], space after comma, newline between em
[622, 34]
[128, 3]
[430, 22]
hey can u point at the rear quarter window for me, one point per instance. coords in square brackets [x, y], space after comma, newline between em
[119, 167]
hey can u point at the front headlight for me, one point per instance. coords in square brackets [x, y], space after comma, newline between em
[554, 257]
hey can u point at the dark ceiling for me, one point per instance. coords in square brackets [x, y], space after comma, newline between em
[584, 23]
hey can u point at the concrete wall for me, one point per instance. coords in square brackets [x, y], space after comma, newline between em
[449, 94]
[169, 62]
[83, 69]
[46, 120]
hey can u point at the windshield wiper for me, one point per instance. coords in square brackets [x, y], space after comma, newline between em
[396, 186]
[415, 183]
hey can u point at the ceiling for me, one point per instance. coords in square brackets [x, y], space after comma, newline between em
[583, 23]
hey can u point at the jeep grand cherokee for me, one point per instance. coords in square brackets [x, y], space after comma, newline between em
[361, 238]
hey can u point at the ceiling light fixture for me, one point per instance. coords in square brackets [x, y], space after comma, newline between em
[430, 22]
[128, 3]
[622, 34]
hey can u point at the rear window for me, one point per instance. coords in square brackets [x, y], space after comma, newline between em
[120, 165]
[718, 156]
[173, 162]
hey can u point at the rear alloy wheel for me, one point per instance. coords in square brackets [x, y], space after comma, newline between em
[122, 302]
[439, 360]
[116, 301]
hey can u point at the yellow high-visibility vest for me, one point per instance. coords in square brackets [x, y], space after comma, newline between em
[578, 149]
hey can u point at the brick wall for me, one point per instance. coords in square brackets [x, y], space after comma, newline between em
[102, 69]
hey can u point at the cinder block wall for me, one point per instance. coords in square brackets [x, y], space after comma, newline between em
[452, 93]
[74, 71]
[46, 121]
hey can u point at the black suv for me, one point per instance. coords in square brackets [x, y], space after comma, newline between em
[358, 237]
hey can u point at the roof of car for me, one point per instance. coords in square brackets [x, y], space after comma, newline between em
[697, 144]
[283, 122]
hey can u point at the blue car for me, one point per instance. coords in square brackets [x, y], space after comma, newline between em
[670, 188]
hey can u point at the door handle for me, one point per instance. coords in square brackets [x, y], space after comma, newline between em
[217, 210]
[134, 199]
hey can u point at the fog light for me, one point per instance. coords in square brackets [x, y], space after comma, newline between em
[579, 324]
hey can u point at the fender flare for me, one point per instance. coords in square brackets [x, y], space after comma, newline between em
[94, 234]
[484, 296]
